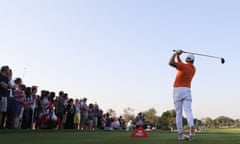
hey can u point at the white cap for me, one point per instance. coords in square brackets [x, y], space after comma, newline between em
[190, 57]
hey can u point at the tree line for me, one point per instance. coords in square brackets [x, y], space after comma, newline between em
[167, 120]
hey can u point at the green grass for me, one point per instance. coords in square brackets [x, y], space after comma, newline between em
[223, 130]
[211, 136]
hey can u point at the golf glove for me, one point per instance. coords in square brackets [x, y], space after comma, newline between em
[179, 51]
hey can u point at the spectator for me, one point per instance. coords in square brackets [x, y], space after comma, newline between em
[69, 111]
[140, 120]
[109, 121]
[34, 106]
[43, 110]
[10, 103]
[121, 122]
[115, 124]
[19, 98]
[4, 85]
[95, 116]
[130, 126]
[90, 116]
[27, 114]
[77, 115]
[104, 121]
[60, 106]
[53, 120]
[84, 114]
[100, 119]
[65, 97]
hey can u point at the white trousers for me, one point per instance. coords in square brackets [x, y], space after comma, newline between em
[183, 100]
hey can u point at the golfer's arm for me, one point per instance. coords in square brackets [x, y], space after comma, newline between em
[172, 61]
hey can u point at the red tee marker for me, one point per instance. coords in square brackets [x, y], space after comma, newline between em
[139, 132]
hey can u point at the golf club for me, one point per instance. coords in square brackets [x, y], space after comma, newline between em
[221, 58]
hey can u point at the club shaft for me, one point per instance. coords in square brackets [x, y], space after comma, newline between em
[200, 54]
[203, 55]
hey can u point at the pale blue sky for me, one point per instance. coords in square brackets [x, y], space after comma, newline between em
[116, 52]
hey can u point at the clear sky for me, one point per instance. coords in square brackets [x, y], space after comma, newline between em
[116, 52]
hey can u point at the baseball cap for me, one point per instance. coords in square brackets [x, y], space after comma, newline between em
[190, 57]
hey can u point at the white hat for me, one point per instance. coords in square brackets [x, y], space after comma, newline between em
[190, 57]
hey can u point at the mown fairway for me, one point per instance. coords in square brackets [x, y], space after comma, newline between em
[212, 136]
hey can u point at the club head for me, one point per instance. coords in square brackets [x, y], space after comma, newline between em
[222, 60]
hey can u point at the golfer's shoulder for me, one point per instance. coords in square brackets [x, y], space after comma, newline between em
[180, 65]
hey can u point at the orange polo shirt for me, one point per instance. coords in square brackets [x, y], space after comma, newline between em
[185, 73]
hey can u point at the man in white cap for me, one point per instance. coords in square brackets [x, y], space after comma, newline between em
[182, 93]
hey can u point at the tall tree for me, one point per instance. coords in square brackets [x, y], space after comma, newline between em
[224, 121]
[112, 112]
[150, 116]
[207, 122]
[168, 120]
[128, 114]
[237, 123]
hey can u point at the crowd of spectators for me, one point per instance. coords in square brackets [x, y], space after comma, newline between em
[22, 108]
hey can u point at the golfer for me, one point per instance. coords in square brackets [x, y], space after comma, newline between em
[182, 93]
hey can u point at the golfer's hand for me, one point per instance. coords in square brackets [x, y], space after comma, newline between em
[179, 51]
